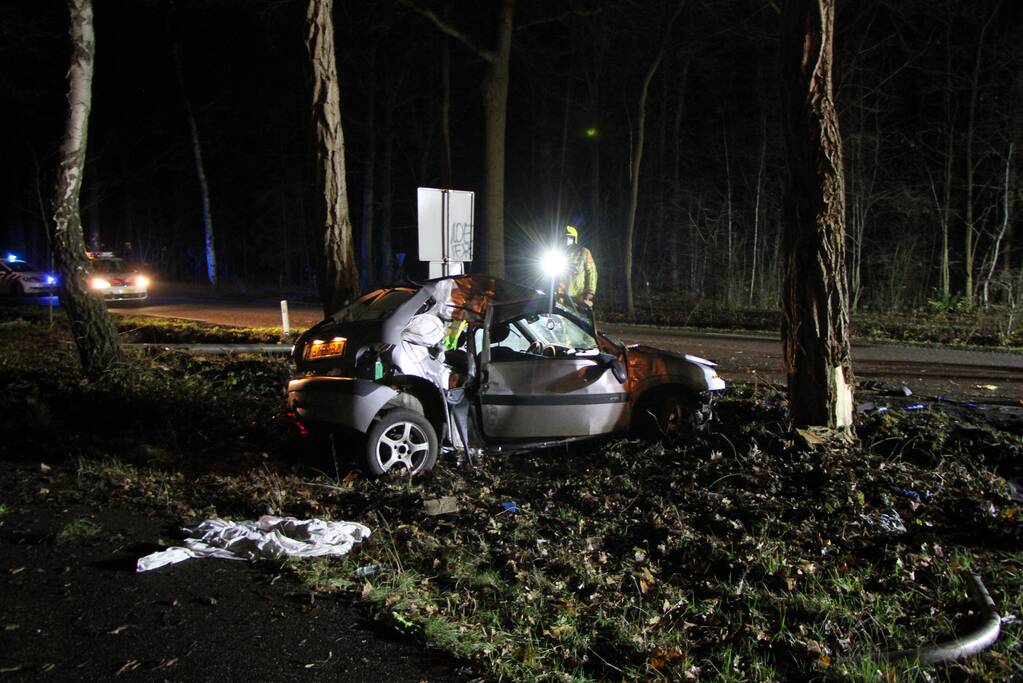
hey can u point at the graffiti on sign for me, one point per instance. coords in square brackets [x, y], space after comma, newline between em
[460, 242]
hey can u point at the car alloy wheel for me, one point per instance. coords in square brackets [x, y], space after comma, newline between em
[401, 439]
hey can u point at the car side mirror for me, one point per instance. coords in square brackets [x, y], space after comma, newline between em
[616, 366]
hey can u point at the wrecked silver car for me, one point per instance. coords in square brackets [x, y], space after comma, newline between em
[472, 365]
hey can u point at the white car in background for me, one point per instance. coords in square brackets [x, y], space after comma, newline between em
[115, 280]
[20, 278]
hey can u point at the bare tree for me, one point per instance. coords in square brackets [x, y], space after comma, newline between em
[495, 111]
[200, 172]
[815, 307]
[337, 275]
[969, 248]
[637, 155]
[94, 333]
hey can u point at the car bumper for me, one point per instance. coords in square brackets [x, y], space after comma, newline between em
[124, 293]
[37, 288]
[339, 401]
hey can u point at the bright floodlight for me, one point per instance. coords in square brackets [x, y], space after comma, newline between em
[553, 263]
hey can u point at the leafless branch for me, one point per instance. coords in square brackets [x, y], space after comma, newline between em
[447, 29]
[555, 19]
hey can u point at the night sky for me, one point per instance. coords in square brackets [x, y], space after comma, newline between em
[712, 118]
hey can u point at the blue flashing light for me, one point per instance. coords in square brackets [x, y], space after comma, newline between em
[51, 280]
[11, 258]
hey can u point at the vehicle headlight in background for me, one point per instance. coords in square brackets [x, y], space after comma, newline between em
[99, 283]
[141, 281]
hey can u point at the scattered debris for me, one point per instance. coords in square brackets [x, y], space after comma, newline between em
[911, 494]
[268, 538]
[440, 506]
[510, 506]
[822, 436]
[886, 523]
[986, 387]
[1015, 490]
[970, 644]
[368, 570]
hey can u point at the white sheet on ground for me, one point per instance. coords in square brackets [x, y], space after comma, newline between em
[268, 538]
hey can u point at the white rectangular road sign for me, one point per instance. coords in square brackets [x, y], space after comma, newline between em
[445, 225]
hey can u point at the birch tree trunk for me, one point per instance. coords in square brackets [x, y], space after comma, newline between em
[200, 172]
[1006, 204]
[970, 247]
[815, 308]
[98, 346]
[337, 275]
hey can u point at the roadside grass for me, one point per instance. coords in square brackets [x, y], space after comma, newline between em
[747, 555]
[77, 530]
[149, 329]
[995, 327]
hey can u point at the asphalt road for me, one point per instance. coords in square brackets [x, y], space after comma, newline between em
[927, 370]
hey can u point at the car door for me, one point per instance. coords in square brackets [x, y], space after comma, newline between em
[541, 382]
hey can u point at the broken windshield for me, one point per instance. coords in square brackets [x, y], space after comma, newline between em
[557, 329]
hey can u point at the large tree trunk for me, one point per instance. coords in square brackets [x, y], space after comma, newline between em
[445, 103]
[815, 308]
[200, 172]
[369, 181]
[337, 275]
[495, 111]
[495, 120]
[95, 336]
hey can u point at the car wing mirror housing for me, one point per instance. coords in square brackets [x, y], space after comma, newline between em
[617, 367]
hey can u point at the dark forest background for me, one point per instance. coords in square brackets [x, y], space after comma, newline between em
[929, 93]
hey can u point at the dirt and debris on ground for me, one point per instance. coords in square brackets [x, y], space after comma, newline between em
[749, 554]
[75, 609]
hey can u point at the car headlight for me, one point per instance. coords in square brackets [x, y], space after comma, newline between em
[142, 281]
[99, 283]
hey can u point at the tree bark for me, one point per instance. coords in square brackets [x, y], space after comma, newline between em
[815, 308]
[495, 108]
[369, 181]
[337, 275]
[98, 346]
[445, 103]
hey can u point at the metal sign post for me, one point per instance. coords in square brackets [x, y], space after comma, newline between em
[446, 229]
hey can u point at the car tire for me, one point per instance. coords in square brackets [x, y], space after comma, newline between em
[401, 439]
[18, 290]
[675, 416]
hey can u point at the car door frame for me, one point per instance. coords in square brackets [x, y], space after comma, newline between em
[580, 398]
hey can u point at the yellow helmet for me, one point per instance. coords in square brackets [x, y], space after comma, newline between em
[570, 231]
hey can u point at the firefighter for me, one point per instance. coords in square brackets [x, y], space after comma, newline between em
[579, 283]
